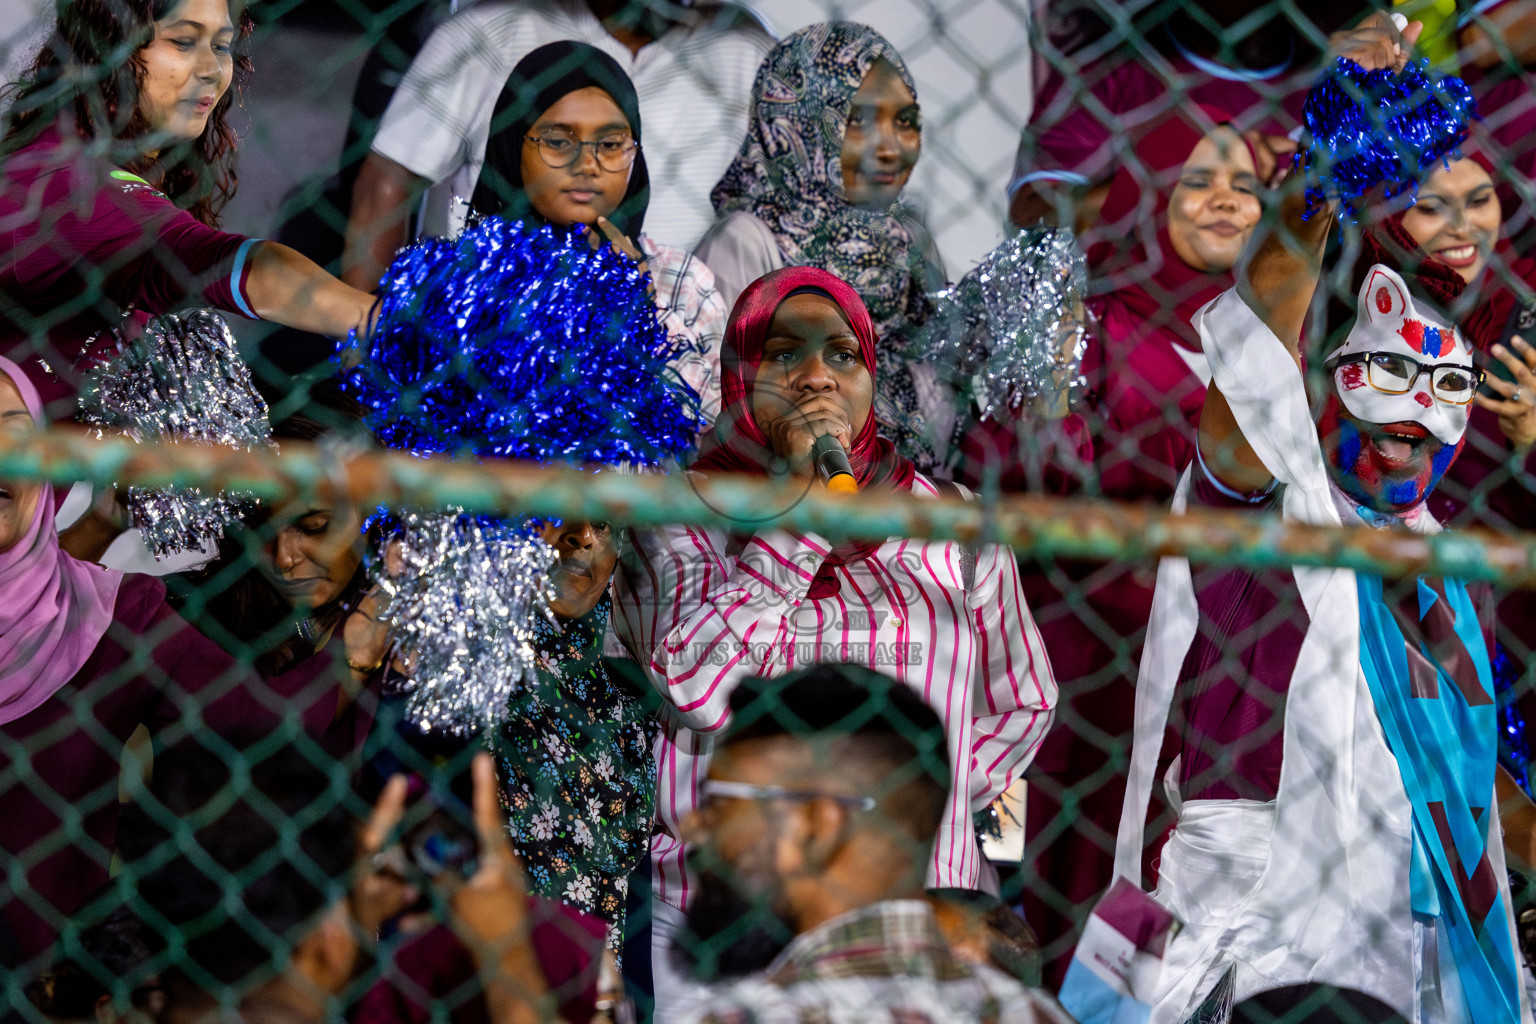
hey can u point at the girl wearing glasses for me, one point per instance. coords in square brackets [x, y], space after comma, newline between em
[565, 149]
[574, 750]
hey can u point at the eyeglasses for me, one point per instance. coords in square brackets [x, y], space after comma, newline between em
[1394, 374]
[614, 152]
[715, 789]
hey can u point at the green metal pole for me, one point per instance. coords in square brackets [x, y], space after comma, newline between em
[1043, 527]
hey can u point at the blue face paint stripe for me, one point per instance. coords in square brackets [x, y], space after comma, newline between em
[1441, 461]
[1405, 493]
[1349, 444]
[1431, 338]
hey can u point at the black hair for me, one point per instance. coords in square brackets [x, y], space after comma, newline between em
[272, 847]
[86, 79]
[882, 725]
[96, 961]
[231, 600]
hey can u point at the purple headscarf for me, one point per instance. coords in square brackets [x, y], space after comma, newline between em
[56, 608]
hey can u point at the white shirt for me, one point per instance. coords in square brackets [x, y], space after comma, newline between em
[700, 615]
[694, 84]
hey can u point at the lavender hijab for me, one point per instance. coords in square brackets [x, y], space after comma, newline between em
[56, 608]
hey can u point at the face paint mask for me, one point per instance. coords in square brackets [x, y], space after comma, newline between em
[1388, 450]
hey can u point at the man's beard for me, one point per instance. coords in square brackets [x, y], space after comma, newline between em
[712, 945]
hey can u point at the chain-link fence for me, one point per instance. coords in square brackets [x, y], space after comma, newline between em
[243, 774]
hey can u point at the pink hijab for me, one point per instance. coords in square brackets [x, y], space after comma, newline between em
[56, 609]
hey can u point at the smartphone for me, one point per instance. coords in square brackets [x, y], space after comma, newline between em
[442, 845]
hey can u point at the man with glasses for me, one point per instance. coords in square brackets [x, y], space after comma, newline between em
[1336, 787]
[811, 840]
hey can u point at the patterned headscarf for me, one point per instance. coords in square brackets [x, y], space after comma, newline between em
[789, 173]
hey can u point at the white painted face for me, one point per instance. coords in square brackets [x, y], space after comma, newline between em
[1388, 322]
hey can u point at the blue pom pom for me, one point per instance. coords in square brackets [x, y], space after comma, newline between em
[1371, 128]
[523, 343]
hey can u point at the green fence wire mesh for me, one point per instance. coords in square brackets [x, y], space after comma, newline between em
[195, 806]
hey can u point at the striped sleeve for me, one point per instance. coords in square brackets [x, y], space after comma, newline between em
[239, 275]
[1015, 691]
[699, 619]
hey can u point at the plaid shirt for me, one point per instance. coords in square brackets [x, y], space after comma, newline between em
[694, 314]
[881, 964]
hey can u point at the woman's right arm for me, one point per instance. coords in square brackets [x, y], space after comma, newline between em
[698, 620]
[289, 288]
[161, 257]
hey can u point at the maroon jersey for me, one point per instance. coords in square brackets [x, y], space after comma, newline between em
[86, 244]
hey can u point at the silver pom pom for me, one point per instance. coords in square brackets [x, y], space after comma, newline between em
[182, 380]
[1012, 329]
[462, 614]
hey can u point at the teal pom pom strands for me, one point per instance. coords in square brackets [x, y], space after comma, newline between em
[1370, 128]
[523, 343]
[508, 342]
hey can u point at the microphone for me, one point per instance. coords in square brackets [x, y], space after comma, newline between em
[832, 462]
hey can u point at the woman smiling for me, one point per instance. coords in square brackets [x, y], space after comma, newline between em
[1456, 217]
[1186, 205]
[117, 159]
[87, 655]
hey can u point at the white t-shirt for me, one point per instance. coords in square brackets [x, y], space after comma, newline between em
[694, 84]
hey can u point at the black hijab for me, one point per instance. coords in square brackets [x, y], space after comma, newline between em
[536, 84]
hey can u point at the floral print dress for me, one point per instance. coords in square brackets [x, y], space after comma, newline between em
[578, 779]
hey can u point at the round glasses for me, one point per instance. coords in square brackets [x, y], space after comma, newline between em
[1395, 374]
[614, 152]
[712, 791]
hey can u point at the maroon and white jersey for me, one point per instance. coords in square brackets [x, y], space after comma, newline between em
[701, 609]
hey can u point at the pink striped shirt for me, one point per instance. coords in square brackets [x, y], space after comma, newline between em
[699, 616]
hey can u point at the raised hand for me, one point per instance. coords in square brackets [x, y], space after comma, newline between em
[1376, 42]
[489, 912]
[379, 889]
